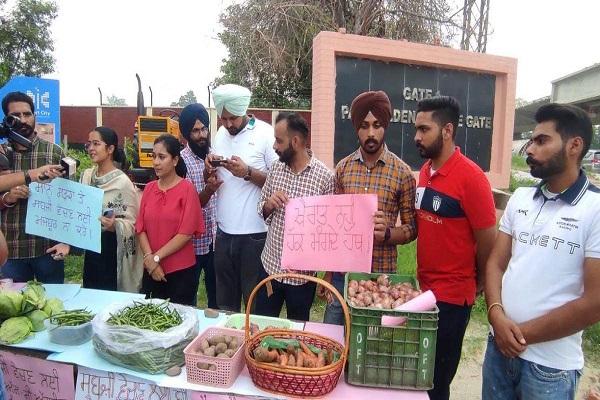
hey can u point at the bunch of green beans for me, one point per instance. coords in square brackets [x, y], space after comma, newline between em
[151, 316]
[72, 317]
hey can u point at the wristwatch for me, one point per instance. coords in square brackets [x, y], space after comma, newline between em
[27, 178]
[388, 234]
[248, 174]
[156, 258]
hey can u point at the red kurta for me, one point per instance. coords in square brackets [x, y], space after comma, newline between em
[164, 214]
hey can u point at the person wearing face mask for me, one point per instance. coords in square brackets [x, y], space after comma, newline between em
[372, 168]
[194, 126]
[29, 256]
[170, 215]
[297, 174]
[242, 155]
[456, 228]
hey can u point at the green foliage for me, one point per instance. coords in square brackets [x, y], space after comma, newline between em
[186, 99]
[518, 163]
[84, 161]
[518, 182]
[26, 45]
[270, 41]
[113, 100]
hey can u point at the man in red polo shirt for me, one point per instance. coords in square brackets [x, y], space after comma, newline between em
[456, 222]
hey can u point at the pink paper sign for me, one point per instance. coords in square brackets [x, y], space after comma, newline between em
[329, 233]
[34, 378]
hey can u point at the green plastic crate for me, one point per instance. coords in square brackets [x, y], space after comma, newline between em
[400, 357]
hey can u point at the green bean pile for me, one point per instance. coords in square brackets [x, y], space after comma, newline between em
[151, 316]
[72, 317]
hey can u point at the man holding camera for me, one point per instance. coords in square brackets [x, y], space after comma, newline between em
[29, 256]
[242, 155]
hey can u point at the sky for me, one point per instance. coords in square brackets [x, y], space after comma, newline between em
[174, 47]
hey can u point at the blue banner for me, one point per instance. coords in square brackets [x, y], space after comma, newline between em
[65, 211]
[46, 99]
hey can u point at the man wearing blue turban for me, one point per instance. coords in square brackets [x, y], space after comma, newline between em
[194, 125]
[244, 147]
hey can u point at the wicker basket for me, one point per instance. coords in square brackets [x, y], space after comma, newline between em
[295, 381]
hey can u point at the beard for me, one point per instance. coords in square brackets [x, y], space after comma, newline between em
[432, 151]
[286, 156]
[554, 166]
[371, 146]
[200, 148]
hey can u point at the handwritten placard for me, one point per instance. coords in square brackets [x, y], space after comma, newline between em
[329, 233]
[32, 378]
[65, 211]
[93, 384]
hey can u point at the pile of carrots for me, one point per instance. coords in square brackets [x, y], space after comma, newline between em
[293, 353]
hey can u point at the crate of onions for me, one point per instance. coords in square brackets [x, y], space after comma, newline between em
[399, 356]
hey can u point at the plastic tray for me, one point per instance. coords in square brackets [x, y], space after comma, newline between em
[400, 357]
[69, 335]
[227, 370]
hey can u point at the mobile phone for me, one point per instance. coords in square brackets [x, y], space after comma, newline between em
[108, 212]
[218, 162]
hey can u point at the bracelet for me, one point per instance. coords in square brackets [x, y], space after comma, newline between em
[494, 305]
[6, 204]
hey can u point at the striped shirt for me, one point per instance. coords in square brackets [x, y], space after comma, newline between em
[393, 182]
[314, 180]
[20, 244]
[195, 173]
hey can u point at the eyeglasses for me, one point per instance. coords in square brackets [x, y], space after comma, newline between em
[26, 114]
[204, 130]
[93, 143]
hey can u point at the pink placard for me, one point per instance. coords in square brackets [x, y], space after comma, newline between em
[31, 378]
[329, 233]
[218, 396]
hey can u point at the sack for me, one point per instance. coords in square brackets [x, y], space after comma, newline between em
[143, 350]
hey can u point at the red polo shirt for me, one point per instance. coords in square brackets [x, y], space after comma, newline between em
[451, 203]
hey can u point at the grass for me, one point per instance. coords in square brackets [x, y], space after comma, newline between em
[518, 163]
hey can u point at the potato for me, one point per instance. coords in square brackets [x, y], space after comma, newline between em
[228, 339]
[222, 355]
[220, 348]
[202, 365]
[233, 345]
[229, 353]
[204, 344]
[213, 341]
[210, 352]
[212, 367]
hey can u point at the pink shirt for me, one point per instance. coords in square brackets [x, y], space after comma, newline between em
[164, 214]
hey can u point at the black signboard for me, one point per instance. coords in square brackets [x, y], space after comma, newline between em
[406, 85]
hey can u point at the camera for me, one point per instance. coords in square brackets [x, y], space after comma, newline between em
[13, 129]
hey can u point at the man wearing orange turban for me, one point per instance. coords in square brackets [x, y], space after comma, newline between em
[372, 168]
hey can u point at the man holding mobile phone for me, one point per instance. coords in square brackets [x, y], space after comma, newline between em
[244, 144]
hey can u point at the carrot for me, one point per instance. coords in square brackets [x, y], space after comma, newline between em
[310, 362]
[321, 359]
[307, 350]
[291, 360]
[283, 359]
[300, 359]
[329, 356]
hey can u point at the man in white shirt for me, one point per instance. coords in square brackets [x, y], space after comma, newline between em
[543, 275]
[242, 155]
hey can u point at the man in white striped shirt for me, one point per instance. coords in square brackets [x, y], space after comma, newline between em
[297, 173]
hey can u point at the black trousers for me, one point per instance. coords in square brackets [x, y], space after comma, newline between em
[181, 286]
[298, 299]
[237, 267]
[206, 262]
[452, 324]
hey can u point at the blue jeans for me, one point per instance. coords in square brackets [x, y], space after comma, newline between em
[334, 314]
[43, 268]
[515, 378]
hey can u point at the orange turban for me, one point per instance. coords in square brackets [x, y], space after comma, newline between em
[376, 102]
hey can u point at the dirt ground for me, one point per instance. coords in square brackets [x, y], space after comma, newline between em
[467, 383]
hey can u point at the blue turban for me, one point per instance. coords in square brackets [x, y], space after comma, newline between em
[233, 98]
[188, 117]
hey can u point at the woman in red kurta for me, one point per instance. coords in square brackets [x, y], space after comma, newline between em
[170, 214]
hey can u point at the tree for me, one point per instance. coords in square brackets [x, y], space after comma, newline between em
[270, 41]
[186, 99]
[115, 101]
[25, 43]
